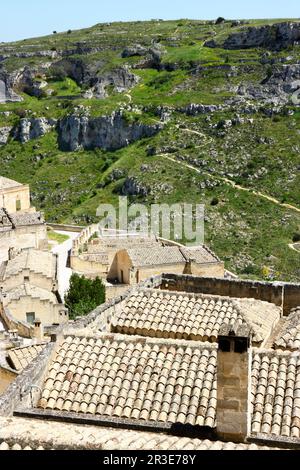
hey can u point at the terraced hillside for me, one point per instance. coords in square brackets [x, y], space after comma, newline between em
[167, 111]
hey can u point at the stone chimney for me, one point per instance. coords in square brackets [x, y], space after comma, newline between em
[234, 382]
[38, 330]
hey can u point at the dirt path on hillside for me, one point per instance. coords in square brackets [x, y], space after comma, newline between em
[293, 247]
[233, 184]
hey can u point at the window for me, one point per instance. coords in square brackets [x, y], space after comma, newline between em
[18, 205]
[122, 276]
[30, 317]
[26, 278]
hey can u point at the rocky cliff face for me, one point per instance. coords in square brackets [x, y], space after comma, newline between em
[33, 128]
[277, 36]
[7, 93]
[106, 132]
[120, 79]
[90, 76]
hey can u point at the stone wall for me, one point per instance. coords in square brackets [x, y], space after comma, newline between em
[32, 236]
[24, 329]
[35, 279]
[90, 269]
[208, 269]
[48, 312]
[283, 295]
[291, 297]
[18, 392]
[66, 227]
[112, 291]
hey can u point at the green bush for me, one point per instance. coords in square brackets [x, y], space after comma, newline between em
[214, 201]
[84, 295]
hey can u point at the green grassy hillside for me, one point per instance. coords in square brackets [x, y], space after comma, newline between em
[243, 165]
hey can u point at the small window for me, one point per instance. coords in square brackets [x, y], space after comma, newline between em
[18, 205]
[26, 278]
[30, 317]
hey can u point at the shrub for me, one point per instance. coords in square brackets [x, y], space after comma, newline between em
[214, 201]
[84, 295]
[20, 112]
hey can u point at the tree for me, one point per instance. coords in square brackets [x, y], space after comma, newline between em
[84, 295]
[220, 20]
[54, 32]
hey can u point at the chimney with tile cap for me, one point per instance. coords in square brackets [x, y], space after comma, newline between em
[38, 329]
[233, 382]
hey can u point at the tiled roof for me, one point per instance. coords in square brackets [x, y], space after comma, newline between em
[198, 317]
[26, 218]
[289, 336]
[125, 242]
[30, 434]
[6, 183]
[201, 254]
[37, 261]
[276, 393]
[156, 255]
[42, 262]
[20, 358]
[135, 378]
[17, 446]
[25, 290]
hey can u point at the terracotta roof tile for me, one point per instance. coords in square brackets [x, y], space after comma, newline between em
[289, 336]
[165, 314]
[20, 358]
[136, 381]
[276, 393]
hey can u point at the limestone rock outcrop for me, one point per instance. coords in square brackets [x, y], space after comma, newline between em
[4, 134]
[94, 78]
[120, 79]
[33, 128]
[107, 132]
[276, 37]
[7, 93]
[132, 187]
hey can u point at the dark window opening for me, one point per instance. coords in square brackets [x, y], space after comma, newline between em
[240, 345]
[18, 205]
[224, 345]
[30, 317]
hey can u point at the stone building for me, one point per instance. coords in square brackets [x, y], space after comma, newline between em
[137, 264]
[123, 258]
[187, 357]
[27, 302]
[28, 285]
[20, 225]
[33, 266]
[14, 196]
